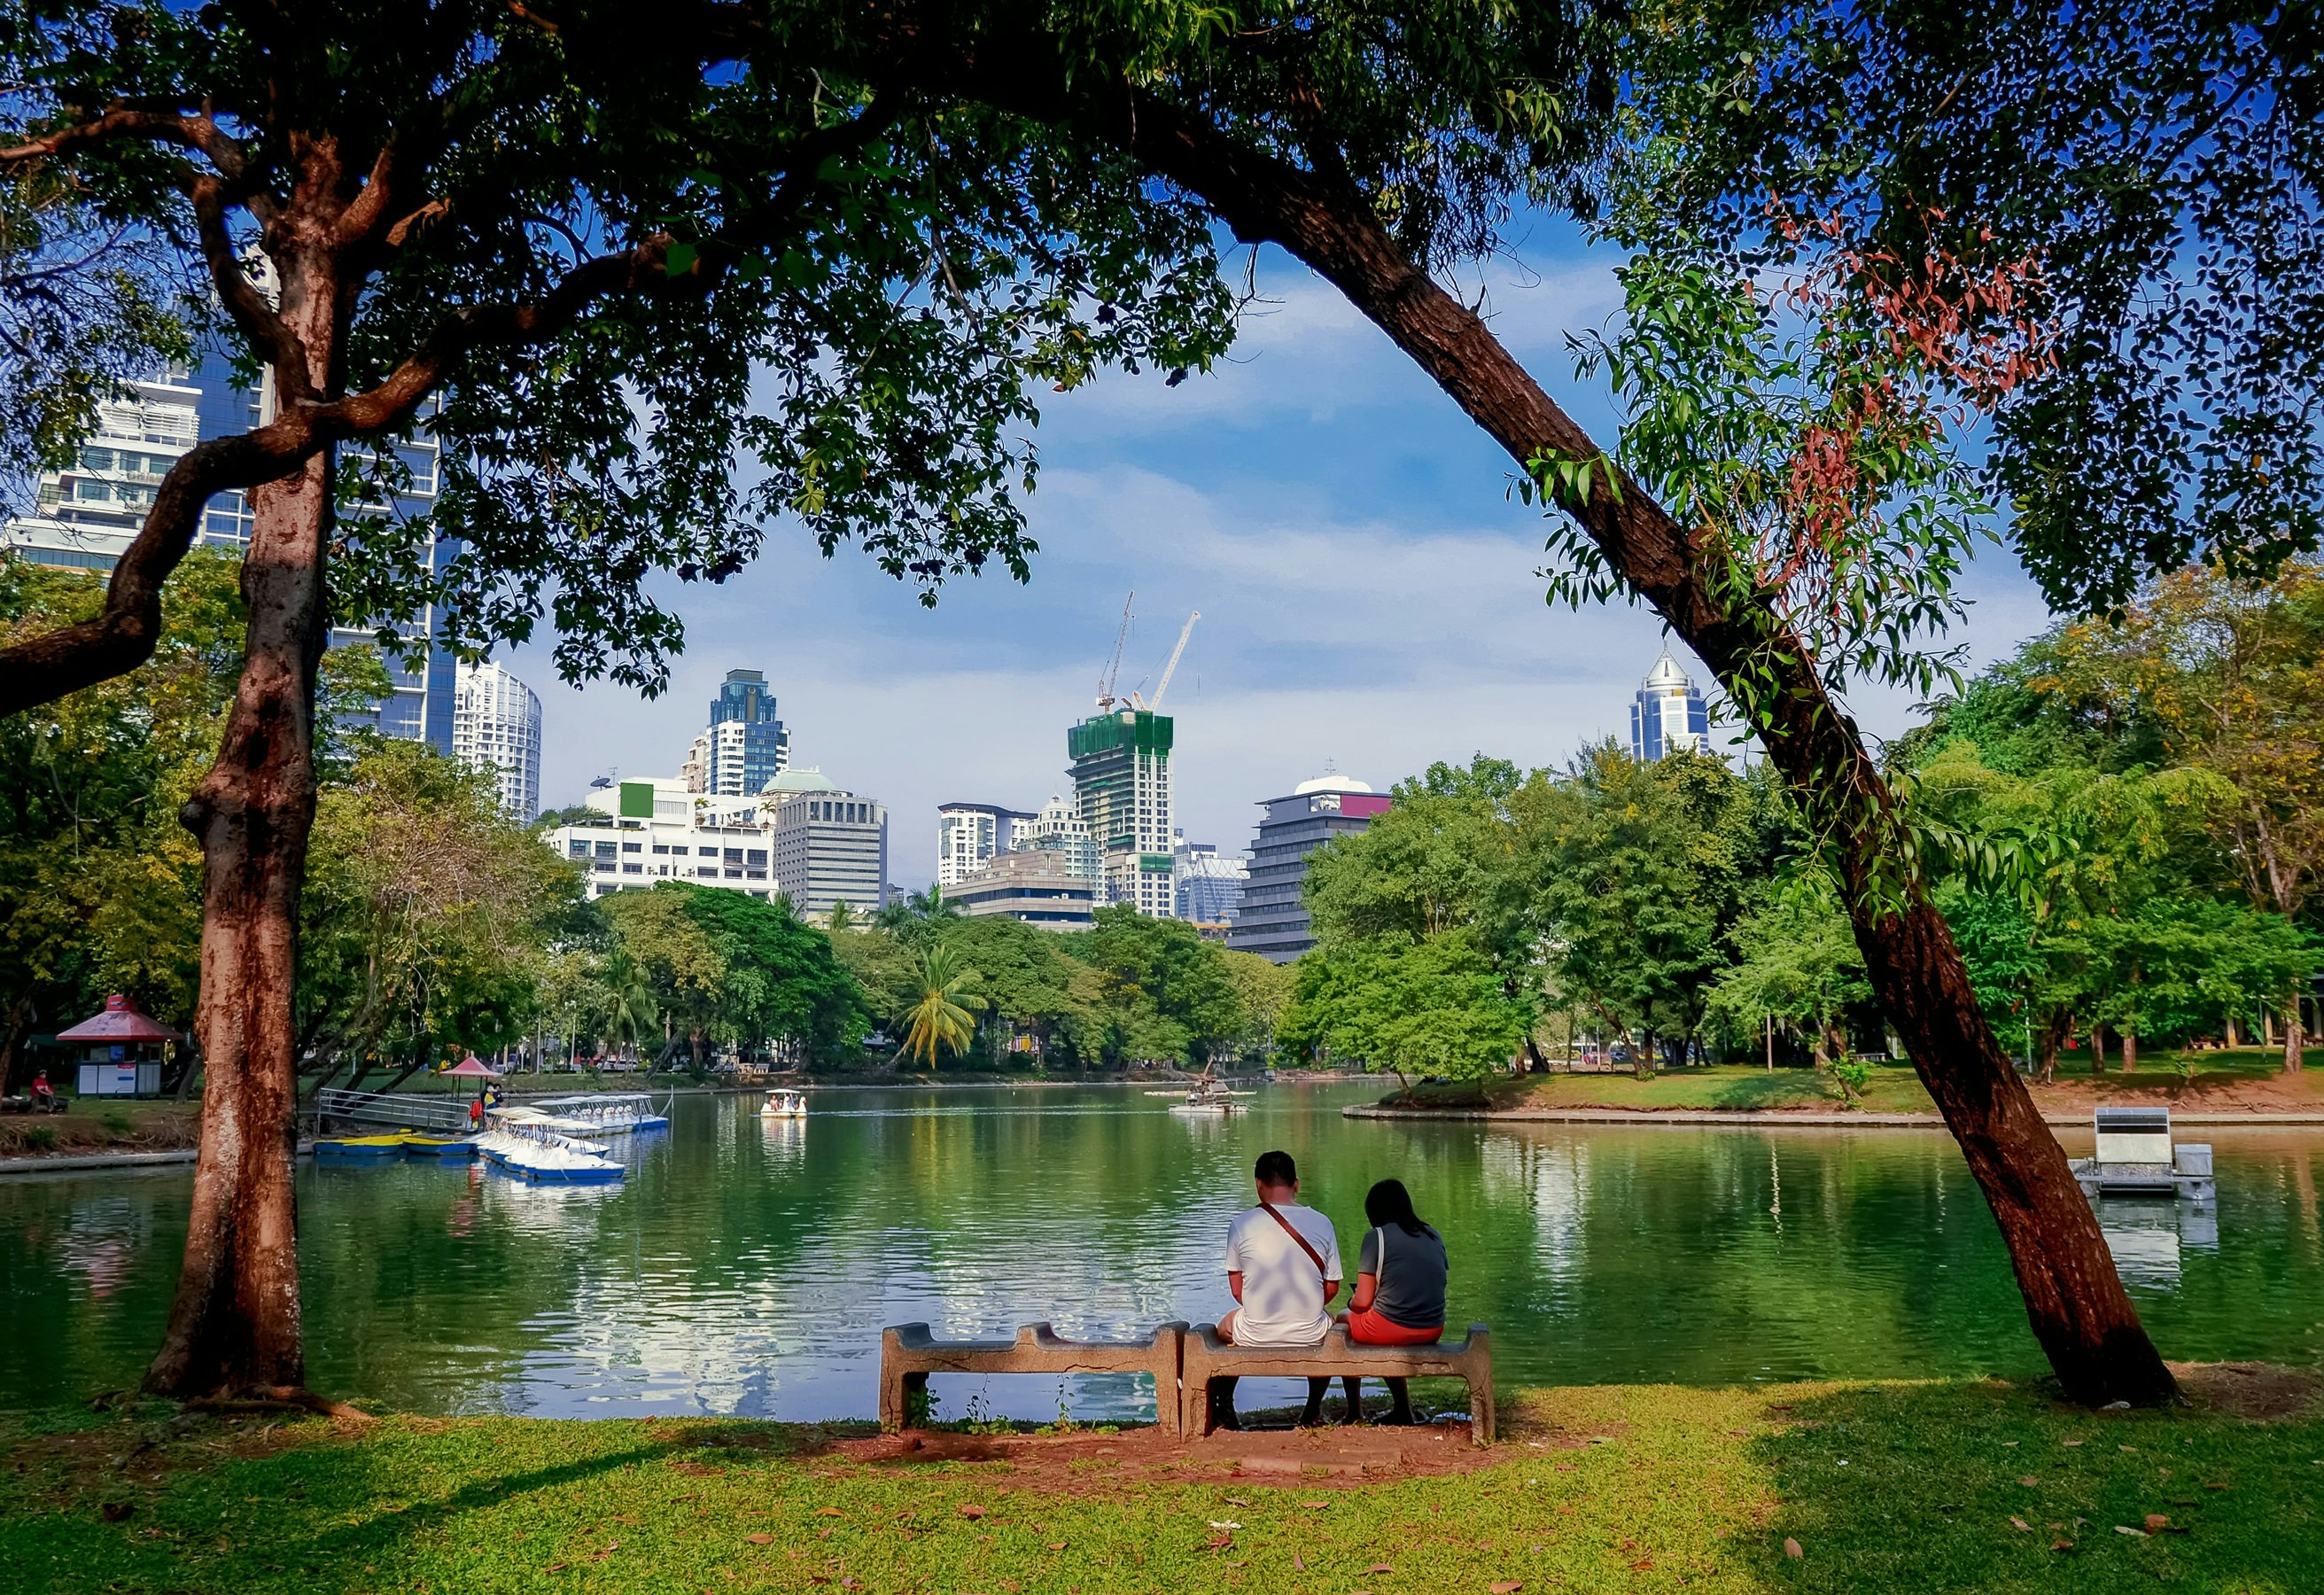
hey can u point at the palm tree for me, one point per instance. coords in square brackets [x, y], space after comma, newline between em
[631, 1002]
[938, 1022]
[841, 916]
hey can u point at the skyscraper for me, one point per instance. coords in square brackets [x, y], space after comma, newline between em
[1209, 888]
[968, 834]
[745, 745]
[1121, 785]
[1272, 921]
[496, 726]
[89, 511]
[1668, 713]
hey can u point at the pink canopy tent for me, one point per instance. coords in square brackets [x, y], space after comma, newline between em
[121, 1050]
[120, 1023]
[468, 1069]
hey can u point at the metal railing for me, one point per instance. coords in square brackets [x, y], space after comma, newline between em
[379, 1106]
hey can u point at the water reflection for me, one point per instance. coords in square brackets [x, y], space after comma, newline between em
[748, 1265]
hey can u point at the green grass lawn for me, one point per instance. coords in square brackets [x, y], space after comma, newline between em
[2242, 1078]
[1933, 1487]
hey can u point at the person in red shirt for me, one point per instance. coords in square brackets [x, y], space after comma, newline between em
[44, 1095]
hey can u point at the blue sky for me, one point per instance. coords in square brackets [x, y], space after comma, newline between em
[1367, 589]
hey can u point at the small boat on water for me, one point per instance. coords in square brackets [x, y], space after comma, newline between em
[599, 1113]
[532, 1153]
[443, 1148]
[361, 1147]
[1208, 1095]
[784, 1104]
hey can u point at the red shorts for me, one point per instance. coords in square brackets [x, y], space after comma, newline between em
[1368, 1327]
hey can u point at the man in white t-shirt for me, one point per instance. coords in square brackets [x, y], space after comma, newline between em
[1283, 1265]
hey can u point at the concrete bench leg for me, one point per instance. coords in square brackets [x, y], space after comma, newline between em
[898, 1391]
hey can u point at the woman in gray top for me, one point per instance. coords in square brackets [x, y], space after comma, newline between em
[1399, 1298]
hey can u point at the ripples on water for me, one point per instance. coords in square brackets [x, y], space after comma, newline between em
[747, 1267]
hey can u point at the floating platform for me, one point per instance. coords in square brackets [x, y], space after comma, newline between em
[544, 1156]
[2135, 1157]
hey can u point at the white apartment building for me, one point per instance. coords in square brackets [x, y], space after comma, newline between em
[1036, 888]
[656, 830]
[830, 845]
[90, 511]
[496, 727]
[1059, 828]
[968, 834]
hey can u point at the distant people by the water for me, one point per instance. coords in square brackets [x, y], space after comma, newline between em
[1399, 1296]
[1283, 1267]
[44, 1095]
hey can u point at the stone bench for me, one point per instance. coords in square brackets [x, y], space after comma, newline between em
[909, 1353]
[1205, 1357]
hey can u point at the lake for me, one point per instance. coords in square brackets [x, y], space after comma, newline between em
[747, 1267]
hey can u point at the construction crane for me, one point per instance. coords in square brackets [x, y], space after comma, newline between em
[1105, 699]
[1171, 668]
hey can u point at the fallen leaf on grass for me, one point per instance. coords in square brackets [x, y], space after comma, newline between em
[2131, 1448]
[2061, 1544]
[1216, 1524]
[829, 1512]
[2019, 1523]
[2029, 1482]
[1236, 1501]
[1056, 1545]
[555, 1567]
[2209, 1485]
[1298, 1563]
[2070, 1443]
[1220, 1541]
[2137, 1533]
[611, 1547]
[1506, 1587]
[1791, 1549]
[1319, 1505]
[2155, 1520]
[1646, 1566]
[1379, 1567]
[971, 1511]
[1565, 1468]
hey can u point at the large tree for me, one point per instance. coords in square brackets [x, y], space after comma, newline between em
[1380, 148]
[599, 279]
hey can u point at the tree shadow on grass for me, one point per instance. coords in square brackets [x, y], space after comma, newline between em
[1989, 1487]
[325, 1514]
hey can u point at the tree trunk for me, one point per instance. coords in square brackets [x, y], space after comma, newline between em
[234, 1325]
[2130, 1048]
[2056, 1030]
[2292, 1023]
[2098, 1050]
[2074, 1299]
[15, 1057]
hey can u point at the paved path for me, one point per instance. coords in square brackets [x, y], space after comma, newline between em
[67, 1164]
[1763, 1117]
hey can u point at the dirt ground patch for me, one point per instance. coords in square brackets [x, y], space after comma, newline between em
[2261, 1390]
[1085, 1462]
[119, 1464]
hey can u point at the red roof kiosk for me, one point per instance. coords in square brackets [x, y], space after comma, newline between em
[121, 1050]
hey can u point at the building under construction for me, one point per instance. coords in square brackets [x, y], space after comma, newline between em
[1121, 785]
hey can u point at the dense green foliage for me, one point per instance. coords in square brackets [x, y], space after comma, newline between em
[2127, 821]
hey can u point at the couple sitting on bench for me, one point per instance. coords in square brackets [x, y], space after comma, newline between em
[1283, 1266]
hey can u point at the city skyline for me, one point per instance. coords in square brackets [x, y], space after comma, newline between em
[1367, 580]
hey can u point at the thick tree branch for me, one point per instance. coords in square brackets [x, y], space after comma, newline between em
[197, 132]
[41, 669]
[235, 291]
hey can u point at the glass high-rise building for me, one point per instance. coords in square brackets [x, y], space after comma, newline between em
[88, 513]
[745, 745]
[1271, 919]
[1668, 714]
